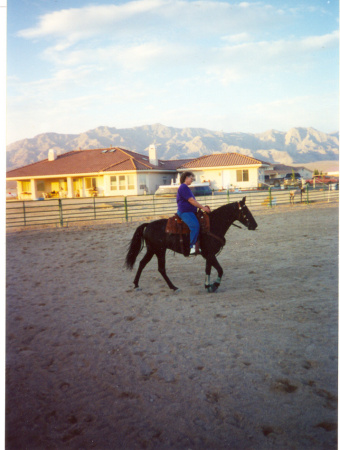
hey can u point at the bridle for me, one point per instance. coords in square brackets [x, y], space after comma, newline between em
[242, 215]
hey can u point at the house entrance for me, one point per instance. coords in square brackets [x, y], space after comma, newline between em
[226, 179]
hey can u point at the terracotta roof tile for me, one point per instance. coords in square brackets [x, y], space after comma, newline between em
[222, 159]
[92, 161]
[118, 159]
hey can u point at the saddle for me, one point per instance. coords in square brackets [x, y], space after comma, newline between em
[175, 224]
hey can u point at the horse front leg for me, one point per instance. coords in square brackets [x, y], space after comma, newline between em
[207, 275]
[162, 271]
[213, 262]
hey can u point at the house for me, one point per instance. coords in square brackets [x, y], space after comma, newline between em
[276, 173]
[116, 171]
[98, 172]
[227, 170]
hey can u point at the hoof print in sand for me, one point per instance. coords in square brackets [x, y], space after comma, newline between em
[266, 430]
[327, 426]
[284, 386]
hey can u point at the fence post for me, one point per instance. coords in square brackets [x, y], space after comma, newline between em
[270, 197]
[126, 209]
[24, 211]
[94, 207]
[228, 195]
[60, 212]
[307, 193]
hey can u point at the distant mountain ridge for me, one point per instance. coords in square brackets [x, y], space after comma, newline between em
[297, 146]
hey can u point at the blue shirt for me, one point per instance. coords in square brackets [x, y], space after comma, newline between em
[183, 195]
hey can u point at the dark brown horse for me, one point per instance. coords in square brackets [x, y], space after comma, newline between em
[157, 242]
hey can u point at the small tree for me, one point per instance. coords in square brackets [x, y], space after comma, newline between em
[293, 175]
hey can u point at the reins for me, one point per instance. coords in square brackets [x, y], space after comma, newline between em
[222, 241]
[237, 226]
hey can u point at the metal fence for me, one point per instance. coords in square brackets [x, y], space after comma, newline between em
[61, 212]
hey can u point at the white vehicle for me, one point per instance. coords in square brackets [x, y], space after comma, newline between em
[198, 189]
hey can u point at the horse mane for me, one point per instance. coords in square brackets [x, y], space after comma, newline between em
[223, 210]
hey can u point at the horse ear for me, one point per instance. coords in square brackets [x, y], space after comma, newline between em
[244, 200]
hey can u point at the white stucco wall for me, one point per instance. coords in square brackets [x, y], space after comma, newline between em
[227, 178]
[154, 180]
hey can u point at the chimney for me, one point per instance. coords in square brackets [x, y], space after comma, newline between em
[153, 155]
[51, 155]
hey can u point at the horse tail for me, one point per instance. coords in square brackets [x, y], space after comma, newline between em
[135, 247]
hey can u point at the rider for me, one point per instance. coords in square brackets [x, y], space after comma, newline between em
[187, 208]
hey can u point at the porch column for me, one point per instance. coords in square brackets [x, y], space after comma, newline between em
[70, 190]
[83, 191]
[34, 189]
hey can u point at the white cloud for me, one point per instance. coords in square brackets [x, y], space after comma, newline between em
[198, 17]
[79, 23]
[237, 38]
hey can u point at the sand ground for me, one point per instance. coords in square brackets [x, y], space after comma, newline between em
[91, 363]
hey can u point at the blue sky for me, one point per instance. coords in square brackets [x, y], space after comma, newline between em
[73, 65]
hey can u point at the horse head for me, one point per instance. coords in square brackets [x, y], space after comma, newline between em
[245, 216]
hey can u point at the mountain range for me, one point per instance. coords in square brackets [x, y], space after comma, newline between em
[297, 146]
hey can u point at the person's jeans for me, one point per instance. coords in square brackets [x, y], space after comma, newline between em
[191, 220]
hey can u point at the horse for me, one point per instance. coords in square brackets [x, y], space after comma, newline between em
[158, 241]
[292, 194]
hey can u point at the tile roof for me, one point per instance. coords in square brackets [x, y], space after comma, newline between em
[92, 161]
[222, 159]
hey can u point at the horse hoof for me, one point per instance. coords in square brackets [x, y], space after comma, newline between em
[137, 288]
[212, 288]
[215, 286]
[176, 290]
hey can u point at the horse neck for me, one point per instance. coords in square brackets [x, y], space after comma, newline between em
[222, 218]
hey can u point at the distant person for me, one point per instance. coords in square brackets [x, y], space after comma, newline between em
[187, 208]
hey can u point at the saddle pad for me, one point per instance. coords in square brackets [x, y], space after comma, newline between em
[175, 225]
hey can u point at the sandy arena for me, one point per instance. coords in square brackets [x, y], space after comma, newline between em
[93, 364]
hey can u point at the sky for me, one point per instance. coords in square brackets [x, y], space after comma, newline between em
[228, 66]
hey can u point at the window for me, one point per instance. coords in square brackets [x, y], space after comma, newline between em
[90, 183]
[242, 175]
[113, 183]
[40, 186]
[130, 182]
[26, 186]
[121, 182]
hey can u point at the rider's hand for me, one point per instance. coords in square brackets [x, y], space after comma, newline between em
[206, 209]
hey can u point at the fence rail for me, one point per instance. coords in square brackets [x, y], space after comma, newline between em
[122, 209]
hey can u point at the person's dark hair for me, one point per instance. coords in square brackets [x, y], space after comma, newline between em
[185, 175]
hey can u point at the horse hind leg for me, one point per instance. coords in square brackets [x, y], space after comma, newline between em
[162, 271]
[147, 258]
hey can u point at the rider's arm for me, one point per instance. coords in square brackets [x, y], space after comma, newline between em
[198, 205]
